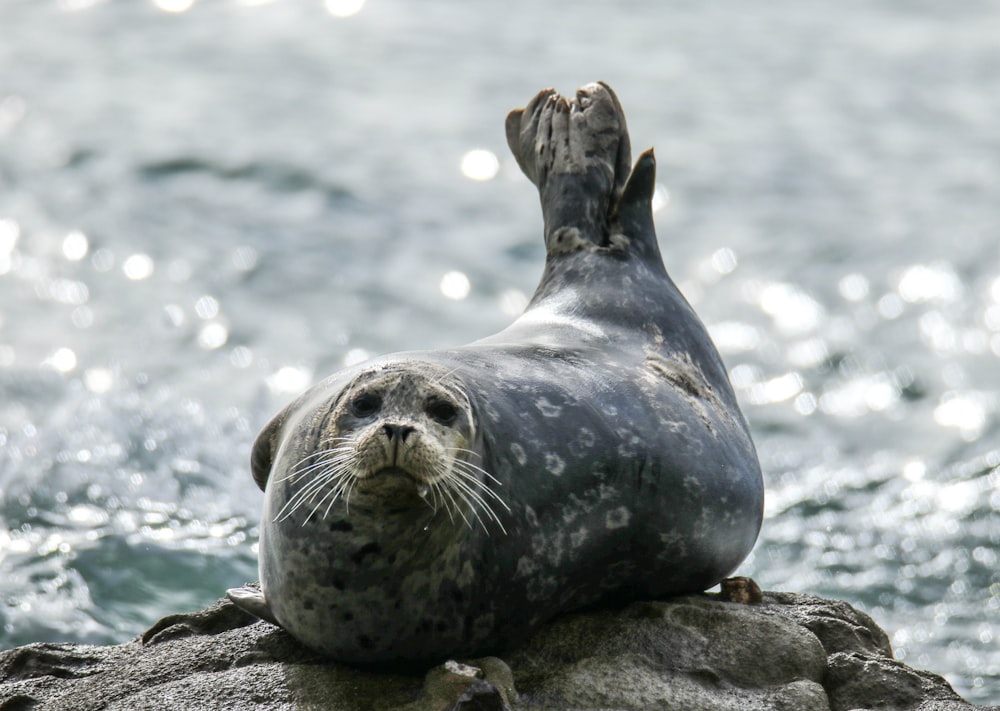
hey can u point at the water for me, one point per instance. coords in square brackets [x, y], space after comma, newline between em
[203, 211]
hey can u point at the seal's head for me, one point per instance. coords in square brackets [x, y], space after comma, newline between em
[397, 438]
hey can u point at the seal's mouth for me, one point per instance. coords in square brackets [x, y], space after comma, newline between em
[390, 482]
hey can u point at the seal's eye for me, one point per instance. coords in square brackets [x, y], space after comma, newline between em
[365, 405]
[443, 412]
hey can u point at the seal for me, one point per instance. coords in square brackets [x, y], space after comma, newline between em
[434, 504]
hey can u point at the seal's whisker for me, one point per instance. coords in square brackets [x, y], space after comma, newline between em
[475, 467]
[452, 505]
[444, 375]
[336, 478]
[469, 494]
[329, 456]
[456, 506]
[327, 440]
[475, 511]
[334, 474]
[302, 495]
[468, 471]
[323, 456]
[317, 482]
[330, 505]
[310, 472]
[460, 469]
[435, 494]
[322, 452]
[473, 497]
[437, 489]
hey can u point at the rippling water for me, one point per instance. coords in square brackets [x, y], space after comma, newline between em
[205, 206]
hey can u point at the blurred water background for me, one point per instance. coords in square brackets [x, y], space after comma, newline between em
[205, 206]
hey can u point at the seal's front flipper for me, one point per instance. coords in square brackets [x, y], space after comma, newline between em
[577, 152]
[250, 599]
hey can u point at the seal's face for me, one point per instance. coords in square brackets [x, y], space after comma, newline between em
[397, 439]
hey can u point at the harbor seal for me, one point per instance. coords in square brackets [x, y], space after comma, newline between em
[427, 505]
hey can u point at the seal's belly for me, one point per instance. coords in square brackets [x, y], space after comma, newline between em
[375, 597]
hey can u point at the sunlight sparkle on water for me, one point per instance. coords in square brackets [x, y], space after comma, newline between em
[138, 267]
[914, 470]
[213, 335]
[480, 164]
[793, 310]
[455, 285]
[344, 8]
[853, 287]
[241, 357]
[174, 5]
[9, 232]
[921, 283]
[289, 379]
[724, 260]
[778, 389]
[959, 497]
[98, 380]
[890, 307]
[962, 411]
[206, 307]
[734, 336]
[661, 197]
[63, 360]
[75, 246]
[872, 393]
[88, 515]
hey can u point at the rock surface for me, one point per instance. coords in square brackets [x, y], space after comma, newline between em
[790, 652]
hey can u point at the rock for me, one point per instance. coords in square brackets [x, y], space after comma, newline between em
[788, 652]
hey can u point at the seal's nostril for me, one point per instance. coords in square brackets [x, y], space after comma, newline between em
[400, 432]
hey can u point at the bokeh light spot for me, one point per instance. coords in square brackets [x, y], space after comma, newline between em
[63, 360]
[853, 287]
[480, 164]
[289, 379]
[9, 232]
[138, 267]
[921, 283]
[213, 335]
[174, 5]
[241, 357]
[207, 307]
[724, 260]
[661, 197]
[75, 246]
[344, 8]
[98, 380]
[455, 285]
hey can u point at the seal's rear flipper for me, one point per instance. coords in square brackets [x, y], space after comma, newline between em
[250, 599]
[632, 216]
[576, 151]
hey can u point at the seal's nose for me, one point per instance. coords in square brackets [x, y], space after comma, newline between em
[397, 432]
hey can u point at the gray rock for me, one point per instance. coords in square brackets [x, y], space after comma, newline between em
[790, 652]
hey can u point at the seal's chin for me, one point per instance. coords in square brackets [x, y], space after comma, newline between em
[391, 484]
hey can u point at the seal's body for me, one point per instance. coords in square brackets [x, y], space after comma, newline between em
[445, 503]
